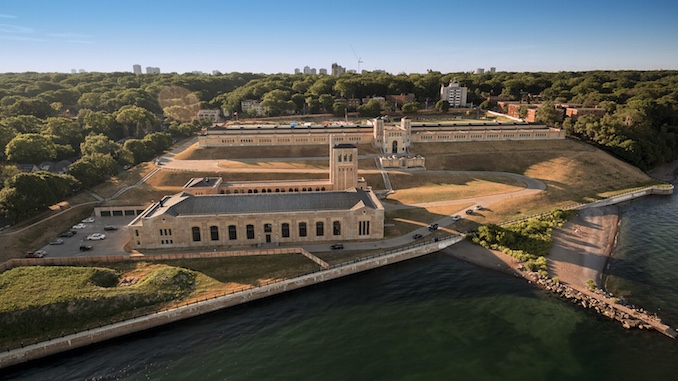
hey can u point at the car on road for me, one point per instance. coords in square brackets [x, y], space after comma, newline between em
[110, 227]
[79, 226]
[337, 246]
[85, 247]
[417, 236]
[96, 237]
[88, 220]
[433, 227]
[469, 211]
[456, 217]
[68, 233]
[36, 254]
[57, 241]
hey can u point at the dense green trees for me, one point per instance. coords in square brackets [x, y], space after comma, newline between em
[26, 194]
[48, 116]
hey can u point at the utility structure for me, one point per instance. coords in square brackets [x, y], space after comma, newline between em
[357, 58]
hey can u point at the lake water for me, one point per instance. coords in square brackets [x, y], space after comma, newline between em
[432, 318]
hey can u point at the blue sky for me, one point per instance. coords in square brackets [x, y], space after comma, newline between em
[267, 36]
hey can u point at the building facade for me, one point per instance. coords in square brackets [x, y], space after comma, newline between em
[186, 221]
[454, 94]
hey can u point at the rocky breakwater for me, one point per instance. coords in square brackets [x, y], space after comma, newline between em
[606, 304]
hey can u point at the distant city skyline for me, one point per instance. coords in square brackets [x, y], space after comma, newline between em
[266, 36]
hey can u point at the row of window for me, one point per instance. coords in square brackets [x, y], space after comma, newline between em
[302, 230]
[277, 190]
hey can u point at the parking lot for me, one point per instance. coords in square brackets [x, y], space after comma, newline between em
[113, 244]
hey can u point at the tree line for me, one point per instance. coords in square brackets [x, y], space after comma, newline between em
[104, 121]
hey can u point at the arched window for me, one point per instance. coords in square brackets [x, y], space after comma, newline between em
[196, 233]
[232, 232]
[214, 233]
[302, 229]
[319, 229]
[336, 228]
[285, 229]
[250, 231]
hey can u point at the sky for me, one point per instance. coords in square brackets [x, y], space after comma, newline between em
[277, 36]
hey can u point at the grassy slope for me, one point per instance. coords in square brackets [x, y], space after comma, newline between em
[44, 301]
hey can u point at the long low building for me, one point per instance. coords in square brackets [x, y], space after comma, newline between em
[187, 221]
[391, 138]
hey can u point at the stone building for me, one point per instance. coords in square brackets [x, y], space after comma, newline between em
[186, 221]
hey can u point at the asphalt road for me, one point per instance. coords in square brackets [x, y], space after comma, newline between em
[113, 244]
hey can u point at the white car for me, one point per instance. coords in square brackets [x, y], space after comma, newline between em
[96, 237]
[79, 226]
[88, 220]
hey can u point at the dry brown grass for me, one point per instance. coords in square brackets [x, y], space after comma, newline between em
[306, 164]
[375, 180]
[416, 188]
[126, 178]
[195, 152]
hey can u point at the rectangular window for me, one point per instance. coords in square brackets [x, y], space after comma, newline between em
[302, 229]
[364, 228]
[214, 233]
[232, 233]
[196, 233]
[250, 231]
[319, 229]
[285, 230]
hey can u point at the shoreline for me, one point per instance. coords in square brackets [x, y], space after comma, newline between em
[581, 251]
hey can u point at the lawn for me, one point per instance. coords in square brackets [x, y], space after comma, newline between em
[39, 302]
[417, 188]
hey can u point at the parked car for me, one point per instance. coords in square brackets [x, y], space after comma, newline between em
[85, 247]
[337, 246]
[417, 236]
[469, 211]
[110, 227]
[88, 220]
[57, 241]
[456, 217]
[36, 254]
[67, 233]
[433, 227]
[96, 237]
[79, 226]
[479, 207]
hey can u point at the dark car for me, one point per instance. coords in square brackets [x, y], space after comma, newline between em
[67, 233]
[337, 246]
[85, 247]
[417, 236]
[469, 211]
[36, 254]
[433, 227]
[57, 241]
[110, 227]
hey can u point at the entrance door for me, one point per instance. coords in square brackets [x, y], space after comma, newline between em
[395, 147]
[268, 238]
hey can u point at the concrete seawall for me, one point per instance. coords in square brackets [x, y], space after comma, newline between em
[81, 339]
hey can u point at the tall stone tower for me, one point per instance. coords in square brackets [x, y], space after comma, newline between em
[378, 132]
[343, 166]
[406, 124]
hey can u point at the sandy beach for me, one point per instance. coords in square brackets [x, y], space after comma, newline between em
[580, 249]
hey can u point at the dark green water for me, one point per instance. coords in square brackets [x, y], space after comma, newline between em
[433, 318]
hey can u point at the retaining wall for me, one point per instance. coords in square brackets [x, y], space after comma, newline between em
[81, 339]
